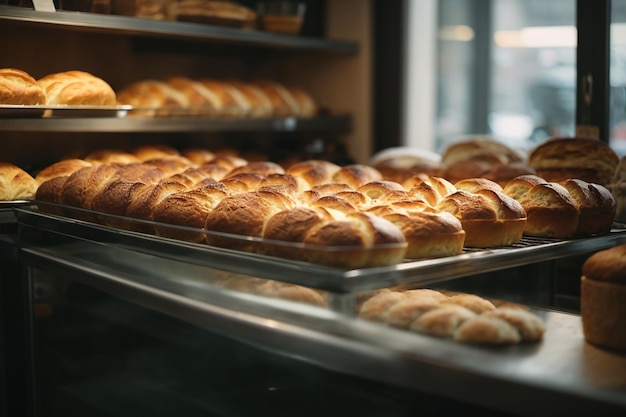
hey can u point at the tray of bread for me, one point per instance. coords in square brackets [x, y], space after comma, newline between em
[338, 227]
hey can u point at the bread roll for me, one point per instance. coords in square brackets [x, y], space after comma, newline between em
[151, 152]
[243, 215]
[232, 102]
[428, 234]
[260, 103]
[152, 97]
[283, 102]
[595, 204]
[356, 175]
[472, 302]
[19, 88]
[62, 168]
[486, 330]
[188, 209]
[560, 159]
[77, 88]
[429, 189]
[442, 321]
[144, 199]
[111, 156]
[80, 188]
[375, 307]
[15, 183]
[603, 298]
[200, 99]
[489, 218]
[403, 313]
[551, 211]
[529, 326]
[314, 172]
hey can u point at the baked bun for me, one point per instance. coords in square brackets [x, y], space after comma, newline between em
[314, 172]
[550, 209]
[489, 218]
[15, 183]
[153, 98]
[243, 215]
[603, 298]
[19, 88]
[77, 88]
[400, 163]
[428, 189]
[351, 240]
[596, 205]
[62, 168]
[462, 317]
[560, 159]
[481, 157]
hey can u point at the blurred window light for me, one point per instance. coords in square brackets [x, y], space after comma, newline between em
[538, 37]
[459, 33]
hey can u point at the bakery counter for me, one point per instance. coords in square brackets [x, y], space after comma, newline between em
[181, 31]
[560, 375]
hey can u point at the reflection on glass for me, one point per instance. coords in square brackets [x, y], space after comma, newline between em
[617, 118]
[530, 92]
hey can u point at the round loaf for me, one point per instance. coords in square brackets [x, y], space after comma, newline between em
[520, 185]
[560, 159]
[77, 88]
[429, 189]
[603, 298]
[382, 192]
[19, 88]
[480, 148]
[15, 183]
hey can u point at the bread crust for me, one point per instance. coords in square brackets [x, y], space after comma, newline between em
[15, 183]
[77, 88]
[19, 88]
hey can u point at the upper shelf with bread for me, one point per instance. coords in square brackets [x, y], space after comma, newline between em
[184, 31]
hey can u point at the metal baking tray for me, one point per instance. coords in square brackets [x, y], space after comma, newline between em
[409, 272]
[62, 111]
[6, 210]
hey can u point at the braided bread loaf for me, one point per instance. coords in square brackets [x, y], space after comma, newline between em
[465, 318]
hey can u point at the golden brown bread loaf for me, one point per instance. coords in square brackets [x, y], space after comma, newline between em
[15, 183]
[356, 240]
[595, 204]
[243, 214]
[356, 175]
[603, 298]
[482, 156]
[560, 159]
[461, 317]
[314, 172]
[283, 102]
[428, 189]
[260, 103]
[561, 210]
[62, 168]
[489, 218]
[77, 88]
[153, 98]
[20, 88]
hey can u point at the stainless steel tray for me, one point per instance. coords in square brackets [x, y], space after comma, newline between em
[61, 111]
[417, 273]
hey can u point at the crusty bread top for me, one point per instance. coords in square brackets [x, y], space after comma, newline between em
[19, 87]
[77, 88]
[575, 153]
[607, 265]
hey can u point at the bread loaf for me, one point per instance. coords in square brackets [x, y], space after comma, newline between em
[78, 88]
[62, 168]
[356, 175]
[15, 183]
[462, 317]
[560, 159]
[595, 204]
[603, 298]
[19, 88]
[489, 218]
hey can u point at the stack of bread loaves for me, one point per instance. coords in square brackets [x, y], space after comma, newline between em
[462, 317]
[603, 298]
